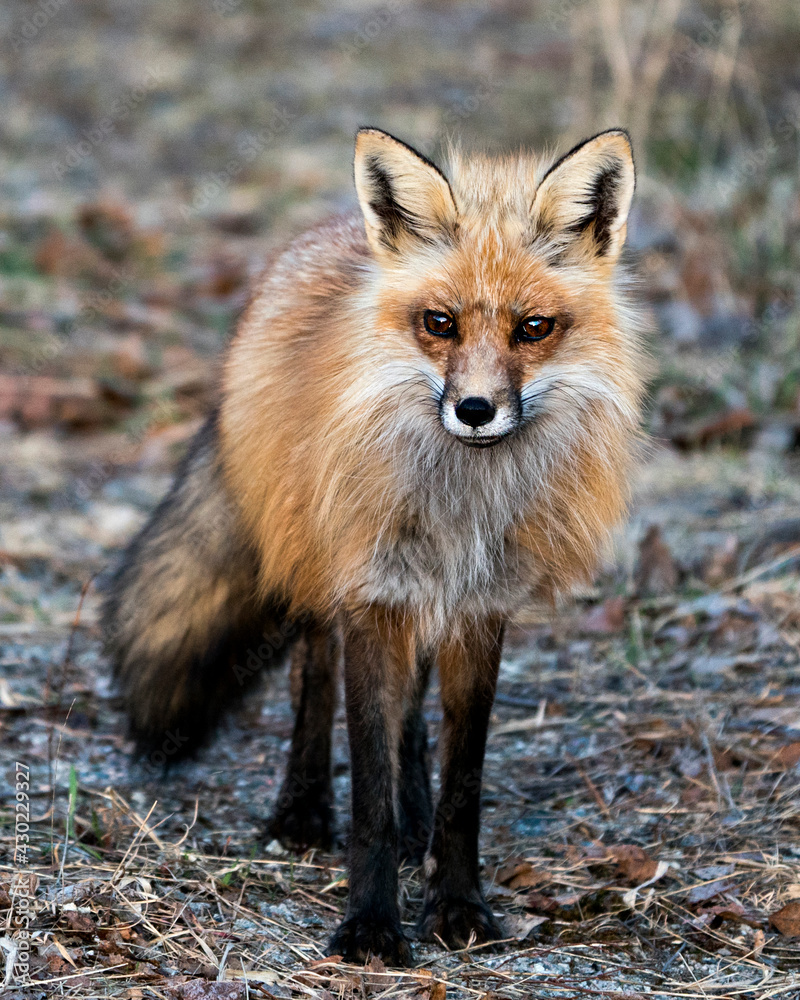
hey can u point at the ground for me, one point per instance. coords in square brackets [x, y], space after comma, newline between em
[641, 809]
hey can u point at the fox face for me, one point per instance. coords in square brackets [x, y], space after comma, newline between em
[500, 279]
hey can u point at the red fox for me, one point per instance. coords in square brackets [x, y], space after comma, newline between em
[427, 419]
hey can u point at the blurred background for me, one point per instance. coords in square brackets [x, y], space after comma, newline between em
[151, 155]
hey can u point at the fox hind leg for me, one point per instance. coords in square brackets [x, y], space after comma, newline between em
[303, 813]
[415, 800]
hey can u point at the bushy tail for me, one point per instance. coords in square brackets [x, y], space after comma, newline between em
[182, 621]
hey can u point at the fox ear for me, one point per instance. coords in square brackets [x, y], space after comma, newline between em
[404, 197]
[584, 198]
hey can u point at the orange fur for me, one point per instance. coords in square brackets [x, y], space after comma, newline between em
[349, 487]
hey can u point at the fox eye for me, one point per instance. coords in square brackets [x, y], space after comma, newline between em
[439, 324]
[534, 328]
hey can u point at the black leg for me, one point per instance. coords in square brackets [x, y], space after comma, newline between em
[303, 814]
[378, 671]
[415, 799]
[455, 907]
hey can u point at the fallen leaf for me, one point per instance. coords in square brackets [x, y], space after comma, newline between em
[80, 922]
[41, 401]
[788, 756]
[65, 256]
[606, 618]
[634, 864]
[328, 960]
[732, 910]
[107, 225]
[540, 903]
[728, 426]
[787, 920]
[656, 573]
[521, 876]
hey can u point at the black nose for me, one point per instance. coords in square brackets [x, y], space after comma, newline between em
[475, 411]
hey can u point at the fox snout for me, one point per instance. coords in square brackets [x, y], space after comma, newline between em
[479, 420]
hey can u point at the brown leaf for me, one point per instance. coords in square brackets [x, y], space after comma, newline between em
[438, 990]
[788, 756]
[634, 864]
[734, 911]
[728, 426]
[787, 920]
[225, 274]
[656, 573]
[65, 256]
[108, 225]
[521, 876]
[539, 903]
[606, 618]
[58, 966]
[129, 358]
[505, 874]
[328, 960]
[79, 922]
[41, 401]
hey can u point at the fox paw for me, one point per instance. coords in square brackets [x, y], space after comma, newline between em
[456, 921]
[358, 938]
[303, 823]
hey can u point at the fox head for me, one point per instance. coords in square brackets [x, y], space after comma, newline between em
[500, 280]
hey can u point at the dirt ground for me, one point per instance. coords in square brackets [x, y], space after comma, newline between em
[641, 809]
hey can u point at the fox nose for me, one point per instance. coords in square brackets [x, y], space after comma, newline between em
[475, 411]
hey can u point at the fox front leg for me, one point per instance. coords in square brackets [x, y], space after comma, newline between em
[378, 675]
[455, 907]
